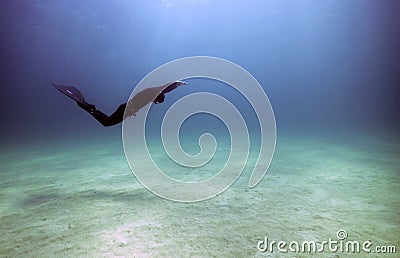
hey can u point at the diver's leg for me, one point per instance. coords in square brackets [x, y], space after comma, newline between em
[105, 120]
[118, 115]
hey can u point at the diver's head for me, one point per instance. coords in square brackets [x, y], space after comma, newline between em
[160, 98]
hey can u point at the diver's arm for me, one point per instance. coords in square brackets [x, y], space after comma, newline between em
[173, 86]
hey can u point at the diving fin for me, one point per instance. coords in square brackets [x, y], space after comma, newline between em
[71, 92]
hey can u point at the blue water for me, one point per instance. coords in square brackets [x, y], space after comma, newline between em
[331, 70]
[331, 63]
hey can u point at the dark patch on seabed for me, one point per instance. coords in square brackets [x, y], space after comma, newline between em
[313, 189]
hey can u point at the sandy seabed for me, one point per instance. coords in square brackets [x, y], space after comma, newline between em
[81, 199]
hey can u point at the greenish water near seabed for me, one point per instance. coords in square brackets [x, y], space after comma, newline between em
[81, 199]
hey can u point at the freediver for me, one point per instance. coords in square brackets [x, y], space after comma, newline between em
[141, 99]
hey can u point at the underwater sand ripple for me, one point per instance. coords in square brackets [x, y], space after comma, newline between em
[93, 206]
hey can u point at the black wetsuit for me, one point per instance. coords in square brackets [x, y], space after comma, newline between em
[116, 117]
